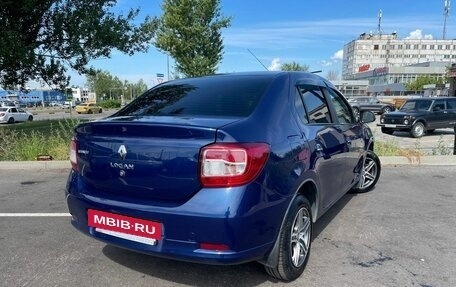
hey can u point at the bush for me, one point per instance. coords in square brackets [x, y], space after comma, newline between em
[110, 104]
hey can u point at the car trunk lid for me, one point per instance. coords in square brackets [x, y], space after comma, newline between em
[144, 158]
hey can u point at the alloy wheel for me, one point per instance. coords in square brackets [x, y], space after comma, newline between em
[369, 173]
[300, 237]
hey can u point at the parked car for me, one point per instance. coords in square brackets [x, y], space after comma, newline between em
[223, 169]
[372, 104]
[88, 108]
[419, 116]
[11, 115]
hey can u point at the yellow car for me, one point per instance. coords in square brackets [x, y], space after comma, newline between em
[88, 108]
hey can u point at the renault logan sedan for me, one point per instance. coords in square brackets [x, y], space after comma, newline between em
[223, 169]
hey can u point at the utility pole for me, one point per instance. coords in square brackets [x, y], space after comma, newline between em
[446, 12]
[379, 27]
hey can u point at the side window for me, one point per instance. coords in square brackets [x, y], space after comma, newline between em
[451, 104]
[439, 105]
[300, 108]
[315, 104]
[343, 113]
[13, 110]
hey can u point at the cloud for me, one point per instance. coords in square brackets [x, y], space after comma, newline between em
[326, 63]
[275, 65]
[418, 35]
[335, 59]
[337, 56]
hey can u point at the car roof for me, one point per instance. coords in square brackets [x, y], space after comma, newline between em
[306, 76]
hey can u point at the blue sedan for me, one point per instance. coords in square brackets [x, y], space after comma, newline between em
[222, 169]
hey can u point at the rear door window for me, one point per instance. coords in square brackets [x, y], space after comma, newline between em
[315, 104]
[451, 104]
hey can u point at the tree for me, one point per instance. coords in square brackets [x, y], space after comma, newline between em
[418, 84]
[41, 39]
[108, 86]
[104, 84]
[332, 75]
[190, 32]
[294, 66]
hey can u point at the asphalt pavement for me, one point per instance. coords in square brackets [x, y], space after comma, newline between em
[400, 234]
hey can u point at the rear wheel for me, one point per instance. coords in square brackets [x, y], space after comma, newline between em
[89, 111]
[417, 130]
[100, 111]
[294, 241]
[30, 118]
[370, 173]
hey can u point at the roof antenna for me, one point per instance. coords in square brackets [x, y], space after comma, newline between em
[258, 60]
[446, 12]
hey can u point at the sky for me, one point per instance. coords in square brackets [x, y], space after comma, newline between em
[309, 32]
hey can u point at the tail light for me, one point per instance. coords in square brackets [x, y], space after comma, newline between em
[231, 164]
[73, 154]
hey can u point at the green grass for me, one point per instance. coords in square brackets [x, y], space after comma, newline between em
[27, 141]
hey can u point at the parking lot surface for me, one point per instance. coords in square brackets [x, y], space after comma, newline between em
[400, 234]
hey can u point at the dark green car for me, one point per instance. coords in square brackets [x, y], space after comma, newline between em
[419, 116]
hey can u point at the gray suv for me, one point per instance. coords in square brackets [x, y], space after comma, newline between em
[360, 104]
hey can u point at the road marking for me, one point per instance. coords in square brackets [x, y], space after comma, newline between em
[34, 214]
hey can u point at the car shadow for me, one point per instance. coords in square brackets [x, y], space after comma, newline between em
[194, 274]
[439, 132]
[326, 218]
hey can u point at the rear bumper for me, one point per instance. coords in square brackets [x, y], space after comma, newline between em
[227, 217]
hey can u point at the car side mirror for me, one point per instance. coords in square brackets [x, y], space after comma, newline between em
[367, 117]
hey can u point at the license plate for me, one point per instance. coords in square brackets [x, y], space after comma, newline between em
[126, 227]
[390, 126]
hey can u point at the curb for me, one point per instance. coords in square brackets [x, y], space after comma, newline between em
[385, 160]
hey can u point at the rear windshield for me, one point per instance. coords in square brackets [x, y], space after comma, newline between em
[210, 96]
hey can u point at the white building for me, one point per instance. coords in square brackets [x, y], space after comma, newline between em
[389, 63]
[370, 52]
[83, 95]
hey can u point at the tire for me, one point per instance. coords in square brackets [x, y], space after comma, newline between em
[370, 173]
[99, 111]
[89, 111]
[11, 120]
[30, 118]
[387, 131]
[295, 240]
[386, 110]
[417, 130]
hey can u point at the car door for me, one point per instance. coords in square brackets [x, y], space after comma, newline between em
[22, 115]
[15, 114]
[451, 109]
[439, 116]
[326, 142]
[352, 131]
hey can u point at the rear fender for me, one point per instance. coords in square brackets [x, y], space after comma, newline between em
[272, 259]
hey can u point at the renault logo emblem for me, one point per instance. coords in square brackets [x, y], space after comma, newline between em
[122, 152]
